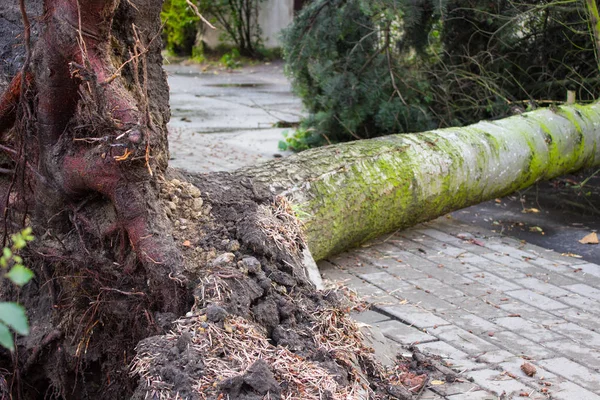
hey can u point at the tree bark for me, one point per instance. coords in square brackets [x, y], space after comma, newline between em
[349, 193]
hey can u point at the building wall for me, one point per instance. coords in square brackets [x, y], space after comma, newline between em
[273, 16]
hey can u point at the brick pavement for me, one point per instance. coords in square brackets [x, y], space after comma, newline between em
[485, 303]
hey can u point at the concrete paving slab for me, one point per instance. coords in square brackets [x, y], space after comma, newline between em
[404, 334]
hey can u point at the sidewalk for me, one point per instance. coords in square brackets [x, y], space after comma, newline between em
[484, 302]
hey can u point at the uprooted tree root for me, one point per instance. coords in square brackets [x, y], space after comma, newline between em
[124, 246]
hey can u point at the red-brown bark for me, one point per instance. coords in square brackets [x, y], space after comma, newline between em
[91, 135]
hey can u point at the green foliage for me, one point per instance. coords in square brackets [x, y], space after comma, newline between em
[12, 315]
[180, 27]
[231, 60]
[338, 56]
[239, 19]
[366, 68]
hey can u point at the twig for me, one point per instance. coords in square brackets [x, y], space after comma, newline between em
[198, 14]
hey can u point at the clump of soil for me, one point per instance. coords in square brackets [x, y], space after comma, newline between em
[258, 326]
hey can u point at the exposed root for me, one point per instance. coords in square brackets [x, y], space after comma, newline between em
[229, 350]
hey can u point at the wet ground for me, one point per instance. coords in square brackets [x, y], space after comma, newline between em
[223, 120]
[555, 215]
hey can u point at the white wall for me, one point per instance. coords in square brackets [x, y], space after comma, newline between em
[273, 16]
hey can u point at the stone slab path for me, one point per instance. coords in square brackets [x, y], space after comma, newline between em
[485, 303]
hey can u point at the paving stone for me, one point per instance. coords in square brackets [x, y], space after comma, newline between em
[492, 281]
[582, 303]
[496, 357]
[500, 258]
[404, 243]
[579, 317]
[474, 395]
[551, 265]
[443, 274]
[364, 269]
[511, 251]
[503, 271]
[426, 300]
[589, 268]
[497, 383]
[478, 306]
[462, 340]
[379, 278]
[386, 281]
[453, 240]
[407, 272]
[583, 277]
[471, 322]
[571, 391]
[528, 329]
[414, 316]
[456, 359]
[573, 371]
[476, 289]
[536, 300]
[450, 389]
[380, 300]
[456, 265]
[542, 287]
[333, 272]
[384, 349]
[532, 314]
[347, 260]
[543, 377]
[400, 270]
[579, 334]
[584, 290]
[550, 255]
[405, 256]
[429, 395]
[440, 289]
[369, 317]
[404, 334]
[520, 346]
[555, 279]
[577, 351]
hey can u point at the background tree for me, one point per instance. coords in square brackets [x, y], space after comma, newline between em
[373, 68]
[237, 20]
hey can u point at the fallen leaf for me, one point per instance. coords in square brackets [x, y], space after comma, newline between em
[528, 369]
[530, 210]
[571, 255]
[592, 238]
[437, 383]
[536, 229]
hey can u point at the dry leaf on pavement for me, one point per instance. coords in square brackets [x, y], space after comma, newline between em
[528, 369]
[592, 238]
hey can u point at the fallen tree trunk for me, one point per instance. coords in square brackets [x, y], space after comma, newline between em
[349, 193]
